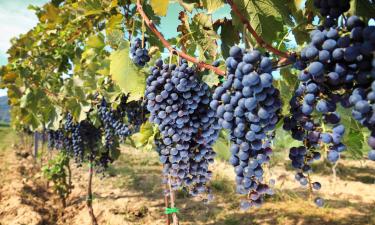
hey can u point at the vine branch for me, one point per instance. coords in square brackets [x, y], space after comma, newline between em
[257, 38]
[171, 49]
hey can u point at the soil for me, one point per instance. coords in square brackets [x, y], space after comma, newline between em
[131, 194]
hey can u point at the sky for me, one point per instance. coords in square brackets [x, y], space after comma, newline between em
[17, 19]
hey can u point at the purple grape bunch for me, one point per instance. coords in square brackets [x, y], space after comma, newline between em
[179, 104]
[247, 105]
[332, 9]
[139, 53]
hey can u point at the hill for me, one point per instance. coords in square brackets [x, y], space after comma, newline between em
[4, 109]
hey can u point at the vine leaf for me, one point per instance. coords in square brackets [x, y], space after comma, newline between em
[96, 41]
[354, 142]
[114, 23]
[229, 37]
[160, 7]
[266, 17]
[184, 29]
[211, 79]
[204, 35]
[130, 79]
[222, 145]
[189, 5]
[51, 13]
[90, 7]
[286, 85]
[212, 5]
[354, 137]
[363, 8]
[144, 136]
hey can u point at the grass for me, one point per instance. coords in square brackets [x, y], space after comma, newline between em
[7, 136]
[139, 170]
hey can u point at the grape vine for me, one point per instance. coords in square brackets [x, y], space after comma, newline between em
[92, 90]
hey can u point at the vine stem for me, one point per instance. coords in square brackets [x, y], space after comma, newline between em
[168, 222]
[334, 176]
[171, 193]
[257, 38]
[310, 186]
[89, 195]
[171, 49]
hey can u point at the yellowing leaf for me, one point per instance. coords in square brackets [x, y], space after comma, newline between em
[212, 5]
[51, 13]
[9, 77]
[160, 7]
[96, 41]
[114, 22]
[130, 78]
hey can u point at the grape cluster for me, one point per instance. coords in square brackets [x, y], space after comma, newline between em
[332, 9]
[139, 53]
[57, 140]
[114, 128]
[74, 138]
[305, 127]
[344, 66]
[72, 131]
[111, 121]
[337, 68]
[83, 140]
[247, 104]
[309, 97]
[361, 59]
[179, 104]
[318, 94]
[133, 112]
[363, 101]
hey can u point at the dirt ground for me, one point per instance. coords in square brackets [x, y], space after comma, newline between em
[131, 194]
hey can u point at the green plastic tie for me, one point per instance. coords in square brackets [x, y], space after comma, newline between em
[171, 210]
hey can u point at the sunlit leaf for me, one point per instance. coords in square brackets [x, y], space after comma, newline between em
[212, 5]
[96, 41]
[129, 77]
[160, 7]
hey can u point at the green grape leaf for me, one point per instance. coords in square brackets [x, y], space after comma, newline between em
[189, 5]
[142, 137]
[212, 5]
[32, 120]
[90, 7]
[204, 35]
[115, 153]
[185, 38]
[96, 41]
[354, 143]
[128, 76]
[160, 7]
[362, 8]
[114, 23]
[229, 37]
[222, 145]
[286, 85]
[267, 17]
[211, 79]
